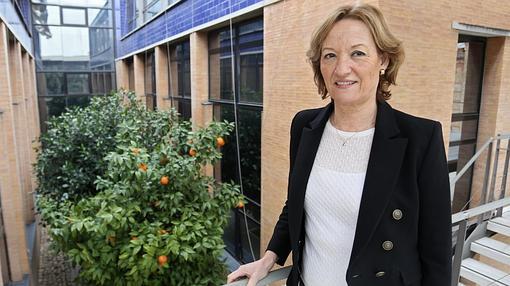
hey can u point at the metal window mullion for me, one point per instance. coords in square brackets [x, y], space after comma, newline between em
[180, 74]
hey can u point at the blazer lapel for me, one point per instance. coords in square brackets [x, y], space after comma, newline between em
[384, 164]
[308, 145]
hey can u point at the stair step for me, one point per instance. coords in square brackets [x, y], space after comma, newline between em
[493, 249]
[500, 225]
[483, 274]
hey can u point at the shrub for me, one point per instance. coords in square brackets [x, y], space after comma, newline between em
[154, 217]
[74, 147]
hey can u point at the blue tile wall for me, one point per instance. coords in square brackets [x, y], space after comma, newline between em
[181, 17]
[25, 11]
[11, 17]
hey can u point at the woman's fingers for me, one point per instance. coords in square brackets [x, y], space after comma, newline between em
[236, 274]
[254, 271]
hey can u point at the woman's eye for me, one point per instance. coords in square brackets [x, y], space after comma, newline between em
[358, 53]
[329, 56]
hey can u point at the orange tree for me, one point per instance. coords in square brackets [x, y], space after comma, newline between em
[156, 218]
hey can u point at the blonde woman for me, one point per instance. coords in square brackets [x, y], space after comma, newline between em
[368, 199]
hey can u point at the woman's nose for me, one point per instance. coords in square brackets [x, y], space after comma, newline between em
[343, 67]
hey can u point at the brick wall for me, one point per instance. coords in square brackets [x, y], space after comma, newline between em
[19, 128]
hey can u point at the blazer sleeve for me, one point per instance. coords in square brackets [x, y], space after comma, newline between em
[280, 241]
[434, 229]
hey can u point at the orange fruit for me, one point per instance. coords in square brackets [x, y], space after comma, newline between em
[240, 205]
[134, 238]
[220, 142]
[162, 259]
[164, 180]
[142, 167]
[135, 151]
[192, 152]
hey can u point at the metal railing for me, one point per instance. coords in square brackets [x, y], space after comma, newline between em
[488, 207]
[461, 220]
[273, 276]
[489, 145]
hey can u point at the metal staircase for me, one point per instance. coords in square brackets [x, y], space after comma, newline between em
[484, 257]
[489, 247]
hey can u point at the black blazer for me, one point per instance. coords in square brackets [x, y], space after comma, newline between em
[405, 201]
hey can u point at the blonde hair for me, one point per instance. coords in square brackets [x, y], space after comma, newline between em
[387, 45]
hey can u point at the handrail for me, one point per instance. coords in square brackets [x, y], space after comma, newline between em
[273, 276]
[474, 212]
[478, 154]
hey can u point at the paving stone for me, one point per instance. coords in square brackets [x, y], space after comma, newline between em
[54, 268]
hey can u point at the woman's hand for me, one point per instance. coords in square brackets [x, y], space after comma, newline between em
[256, 270]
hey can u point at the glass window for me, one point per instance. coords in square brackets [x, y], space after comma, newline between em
[180, 78]
[464, 130]
[50, 83]
[73, 61]
[100, 17]
[150, 80]
[50, 45]
[109, 82]
[251, 77]
[73, 16]
[76, 52]
[468, 75]
[184, 108]
[465, 113]
[245, 68]
[250, 145]
[152, 7]
[52, 106]
[46, 15]
[248, 46]
[78, 83]
[78, 100]
[97, 82]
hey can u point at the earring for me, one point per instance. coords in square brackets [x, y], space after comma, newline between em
[382, 72]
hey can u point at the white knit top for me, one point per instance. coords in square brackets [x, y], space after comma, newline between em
[332, 201]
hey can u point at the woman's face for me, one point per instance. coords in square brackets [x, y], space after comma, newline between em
[350, 63]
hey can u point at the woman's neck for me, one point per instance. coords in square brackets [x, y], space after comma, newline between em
[354, 118]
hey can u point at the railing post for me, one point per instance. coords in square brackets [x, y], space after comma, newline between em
[504, 178]
[494, 171]
[459, 247]
[483, 199]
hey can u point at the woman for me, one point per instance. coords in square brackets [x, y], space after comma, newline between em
[368, 199]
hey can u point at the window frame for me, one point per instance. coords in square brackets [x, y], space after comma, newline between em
[240, 104]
